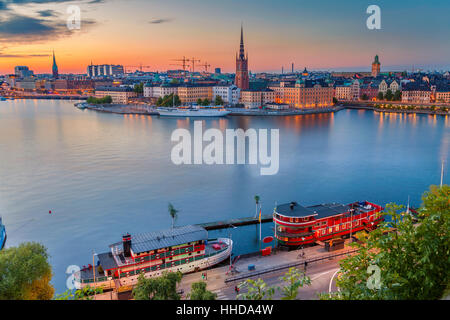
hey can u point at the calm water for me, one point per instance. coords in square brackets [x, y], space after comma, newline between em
[105, 174]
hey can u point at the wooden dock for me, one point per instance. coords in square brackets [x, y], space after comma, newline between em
[235, 222]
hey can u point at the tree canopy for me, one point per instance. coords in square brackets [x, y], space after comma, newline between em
[104, 100]
[25, 273]
[199, 292]
[160, 288]
[218, 101]
[168, 101]
[402, 259]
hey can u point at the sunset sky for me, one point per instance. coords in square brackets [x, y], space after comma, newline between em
[325, 34]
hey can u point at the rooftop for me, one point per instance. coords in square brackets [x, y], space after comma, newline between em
[293, 209]
[166, 238]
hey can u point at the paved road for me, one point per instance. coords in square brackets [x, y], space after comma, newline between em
[320, 275]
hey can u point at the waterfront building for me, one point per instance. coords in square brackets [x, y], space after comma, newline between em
[242, 78]
[392, 85]
[157, 91]
[27, 84]
[184, 249]
[54, 67]
[119, 95]
[73, 85]
[190, 93]
[348, 91]
[443, 93]
[230, 94]
[252, 99]
[296, 225]
[416, 92]
[104, 70]
[303, 93]
[376, 67]
[369, 90]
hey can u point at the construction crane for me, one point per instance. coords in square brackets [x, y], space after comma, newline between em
[139, 66]
[183, 61]
[193, 61]
[205, 65]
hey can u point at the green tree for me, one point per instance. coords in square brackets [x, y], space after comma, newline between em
[173, 214]
[139, 88]
[389, 95]
[25, 273]
[159, 102]
[199, 102]
[256, 290]
[160, 288]
[219, 101]
[335, 100]
[87, 293]
[380, 96]
[398, 95]
[104, 100]
[412, 259]
[199, 292]
[295, 279]
[365, 97]
[206, 102]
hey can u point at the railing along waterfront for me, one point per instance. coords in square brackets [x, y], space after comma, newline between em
[287, 266]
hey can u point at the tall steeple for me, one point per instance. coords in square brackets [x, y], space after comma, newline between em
[242, 79]
[242, 50]
[54, 67]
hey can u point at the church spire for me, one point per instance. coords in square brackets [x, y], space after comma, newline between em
[54, 67]
[242, 50]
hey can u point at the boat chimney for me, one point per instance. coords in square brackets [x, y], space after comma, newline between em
[126, 240]
[292, 205]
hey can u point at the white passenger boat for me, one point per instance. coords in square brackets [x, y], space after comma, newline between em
[185, 249]
[193, 112]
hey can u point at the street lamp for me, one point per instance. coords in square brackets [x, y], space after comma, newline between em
[229, 235]
[93, 272]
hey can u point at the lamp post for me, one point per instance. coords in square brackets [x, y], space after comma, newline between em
[93, 272]
[229, 235]
[351, 224]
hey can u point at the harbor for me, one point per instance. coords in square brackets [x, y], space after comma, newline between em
[109, 175]
[143, 109]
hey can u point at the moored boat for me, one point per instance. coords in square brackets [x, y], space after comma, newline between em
[193, 112]
[81, 105]
[185, 249]
[296, 225]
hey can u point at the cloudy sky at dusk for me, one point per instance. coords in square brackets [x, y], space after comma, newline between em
[321, 34]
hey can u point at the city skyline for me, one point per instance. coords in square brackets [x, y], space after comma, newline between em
[153, 33]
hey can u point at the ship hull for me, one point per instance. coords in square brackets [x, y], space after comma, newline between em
[129, 281]
[193, 113]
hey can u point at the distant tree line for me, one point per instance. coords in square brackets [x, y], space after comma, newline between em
[104, 100]
[389, 96]
[168, 101]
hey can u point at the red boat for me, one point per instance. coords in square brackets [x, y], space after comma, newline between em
[296, 225]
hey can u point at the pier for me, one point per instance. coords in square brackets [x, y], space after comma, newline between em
[236, 222]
